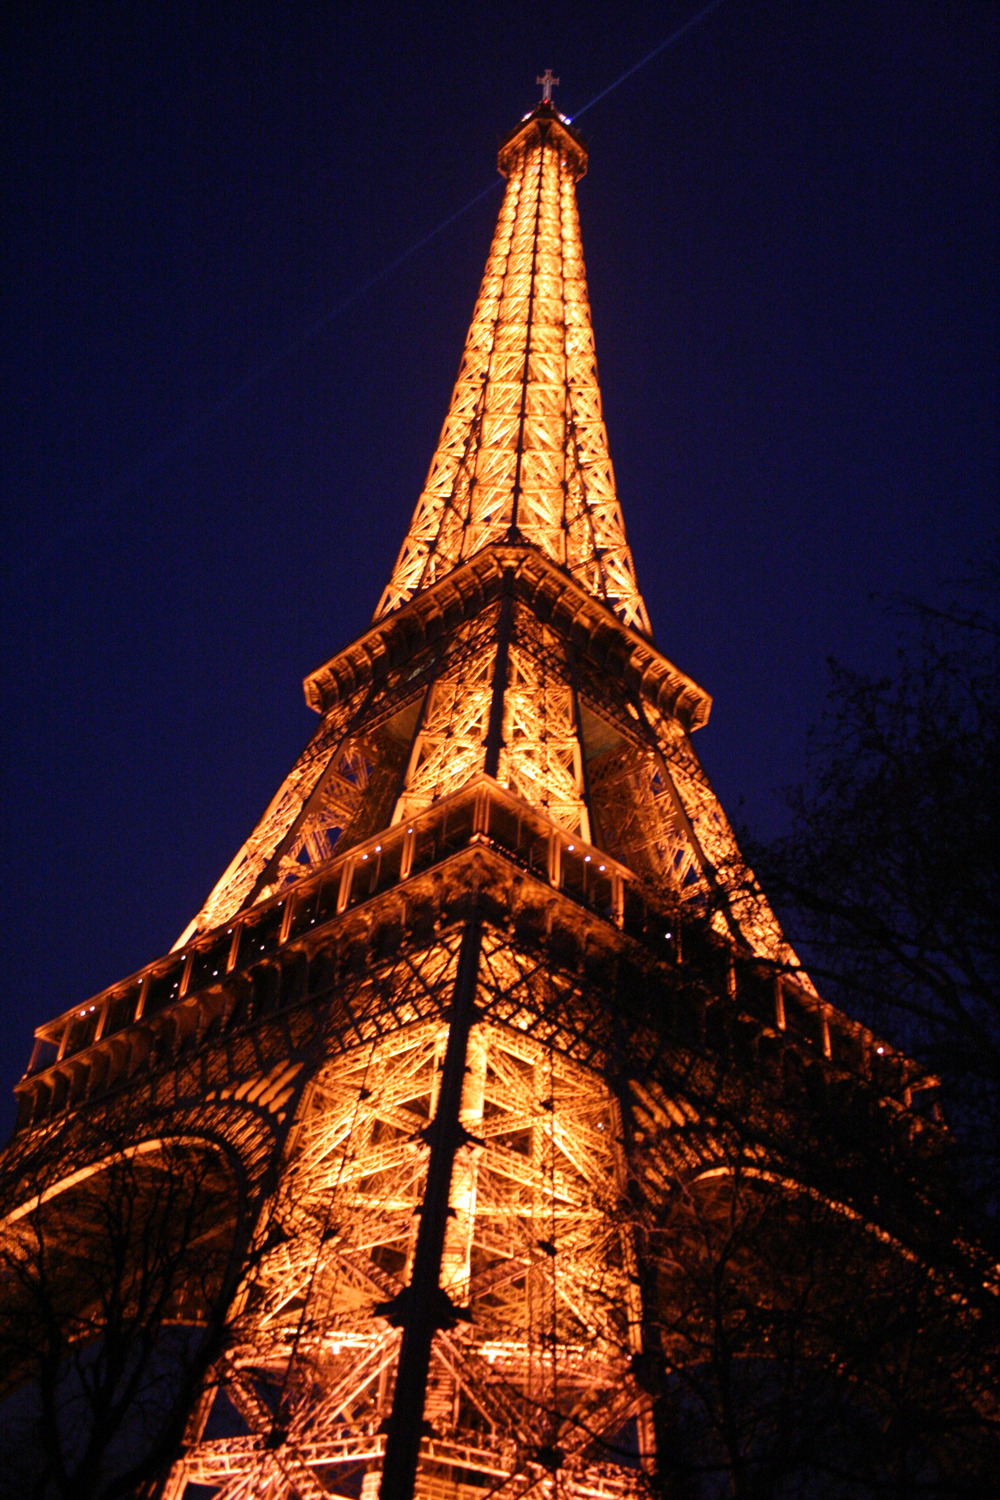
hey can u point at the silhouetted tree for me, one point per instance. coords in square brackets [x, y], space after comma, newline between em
[795, 1352]
[888, 879]
[816, 1320]
[114, 1285]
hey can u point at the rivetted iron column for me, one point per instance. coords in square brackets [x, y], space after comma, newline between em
[422, 1307]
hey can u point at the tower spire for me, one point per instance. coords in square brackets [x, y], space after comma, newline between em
[523, 452]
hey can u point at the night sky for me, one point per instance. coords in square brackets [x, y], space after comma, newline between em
[221, 403]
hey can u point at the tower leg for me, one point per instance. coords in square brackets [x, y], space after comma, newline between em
[423, 1307]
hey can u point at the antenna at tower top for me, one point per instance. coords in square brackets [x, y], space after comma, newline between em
[548, 84]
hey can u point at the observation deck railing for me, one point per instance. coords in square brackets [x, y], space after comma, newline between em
[485, 814]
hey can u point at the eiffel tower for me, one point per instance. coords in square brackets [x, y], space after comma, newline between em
[488, 976]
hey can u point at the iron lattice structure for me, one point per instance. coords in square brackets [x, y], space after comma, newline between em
[523, 449]
[398, 1017]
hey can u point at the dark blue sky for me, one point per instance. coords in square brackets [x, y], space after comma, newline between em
[790, 227]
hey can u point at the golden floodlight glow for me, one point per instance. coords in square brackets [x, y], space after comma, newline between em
[523, 448]
[480, 1001]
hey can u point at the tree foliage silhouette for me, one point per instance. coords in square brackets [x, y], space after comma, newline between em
[888, 878]
[114, 1283]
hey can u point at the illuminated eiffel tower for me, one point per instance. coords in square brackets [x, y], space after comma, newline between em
[415, 1022]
